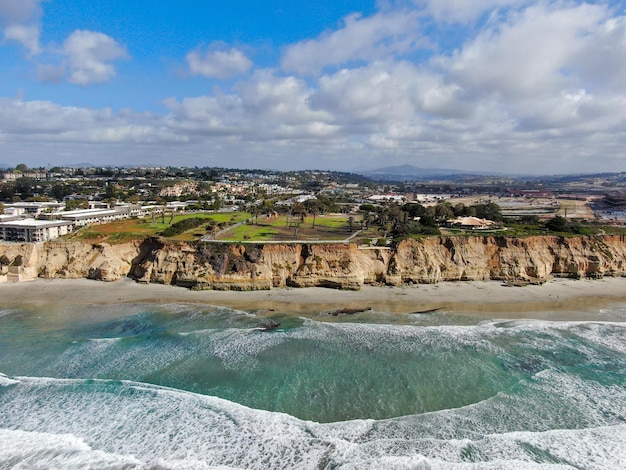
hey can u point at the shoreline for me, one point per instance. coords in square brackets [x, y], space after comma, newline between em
[556, 299]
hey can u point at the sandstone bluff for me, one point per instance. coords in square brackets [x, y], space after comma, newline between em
[343, 266]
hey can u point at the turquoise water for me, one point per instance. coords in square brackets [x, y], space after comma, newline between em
[183, 386]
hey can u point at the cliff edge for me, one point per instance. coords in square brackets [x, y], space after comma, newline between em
[344, 266]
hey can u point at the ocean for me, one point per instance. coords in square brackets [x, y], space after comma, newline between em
[186, 386]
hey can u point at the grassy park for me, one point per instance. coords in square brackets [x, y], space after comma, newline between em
[232, 226]
[282, 228]
[137, 229]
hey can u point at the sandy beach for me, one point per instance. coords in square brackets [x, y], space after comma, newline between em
[556, 298]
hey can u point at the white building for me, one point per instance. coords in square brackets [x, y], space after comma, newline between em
[32, 208]
[31, 230]
[14, 175]
[93, 216]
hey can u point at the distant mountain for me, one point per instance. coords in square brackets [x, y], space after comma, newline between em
[6, 166]
[413, 173]
[81, 165]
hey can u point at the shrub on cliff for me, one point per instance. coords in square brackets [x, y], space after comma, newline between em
[183, 226]
[562, 225]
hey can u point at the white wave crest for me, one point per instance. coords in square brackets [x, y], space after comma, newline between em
[50, 423]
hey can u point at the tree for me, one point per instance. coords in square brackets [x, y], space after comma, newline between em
[366, 220]
[558, 224]
[299, 211]
[21, 168]
[254, 211]
[75, 204]
[296, 227]
[267, 207]
[444, 211]
[313, 208]
[327, 204]
[489, 211]
[7, 191]
[24, 186]
[59, 191]
[414, 210]
[217, 203]
[428, 221]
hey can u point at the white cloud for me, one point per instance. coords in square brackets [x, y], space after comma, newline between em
[600, 58]
[85, 53]
[380, 36]
[38, 121]
[266, 107]
[551, 68]
[19, 11]
[392, 102]
[534, 88]
[464, 11]
[51, 73]
[218, 63]
[528, 55]
[28, 36]
[20, 22]
[88, 53]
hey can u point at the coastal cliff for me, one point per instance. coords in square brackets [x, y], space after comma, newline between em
[343, 266]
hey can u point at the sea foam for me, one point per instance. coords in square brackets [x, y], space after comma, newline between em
[126, 424]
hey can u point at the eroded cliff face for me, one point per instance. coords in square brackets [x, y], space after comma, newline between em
[71, 260]
[342, 266]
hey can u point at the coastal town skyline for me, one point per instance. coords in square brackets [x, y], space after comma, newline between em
[510, 86]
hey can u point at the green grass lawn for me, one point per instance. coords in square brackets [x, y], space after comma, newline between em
[328, 227]
[138, 229]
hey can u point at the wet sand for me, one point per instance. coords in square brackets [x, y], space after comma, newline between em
[556, 299]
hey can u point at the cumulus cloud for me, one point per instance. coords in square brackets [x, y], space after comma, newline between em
[383, 35]
[538, 86]
[85, 53]
[218, 63]
[88, 54]
[20, 22]
[549, 68]
[266, 107]
[463, 11]
[28, 36]
[19, 11]
[51, 122]
[600, 58]
[529, 54]
[382, 93]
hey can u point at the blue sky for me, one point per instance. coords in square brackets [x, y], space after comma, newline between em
[517, 86]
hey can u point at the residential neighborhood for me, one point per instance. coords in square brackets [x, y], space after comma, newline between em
[45, 204]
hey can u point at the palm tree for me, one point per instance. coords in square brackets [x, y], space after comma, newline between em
[367, 219]
[299, 211]
[313, 208]
[254, 211]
